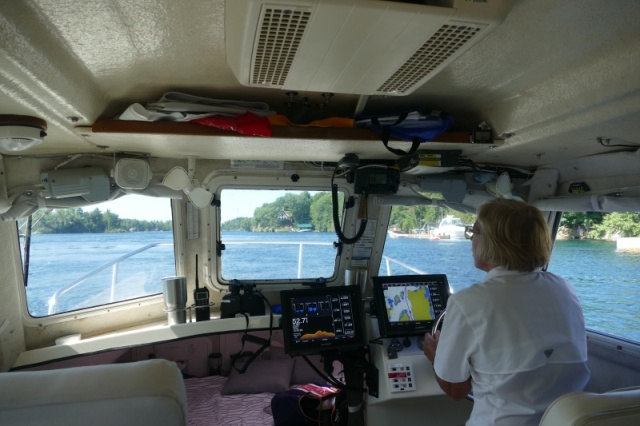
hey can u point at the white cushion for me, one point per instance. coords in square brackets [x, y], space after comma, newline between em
[139, 393]
[616, 408]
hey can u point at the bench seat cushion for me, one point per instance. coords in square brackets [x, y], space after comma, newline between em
[140, 393]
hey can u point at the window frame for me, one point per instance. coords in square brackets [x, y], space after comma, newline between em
[113, 307]
[554, 220]
[282, 181]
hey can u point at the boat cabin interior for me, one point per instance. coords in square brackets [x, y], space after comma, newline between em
[274, 154]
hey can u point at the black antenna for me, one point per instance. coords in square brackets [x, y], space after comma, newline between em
[197, 286]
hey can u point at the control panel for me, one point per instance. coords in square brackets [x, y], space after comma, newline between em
[400, 377]
[403, 370]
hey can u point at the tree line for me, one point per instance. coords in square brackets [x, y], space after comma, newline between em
[408, 218]
[75, 221]
[590, 225]
[601, 225]
[287, 212]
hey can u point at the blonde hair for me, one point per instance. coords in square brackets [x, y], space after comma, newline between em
[514, 235]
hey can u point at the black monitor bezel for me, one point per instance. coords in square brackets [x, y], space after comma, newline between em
[409, 328]
[294, 348]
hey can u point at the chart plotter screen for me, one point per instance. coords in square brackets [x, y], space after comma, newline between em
[409, 304]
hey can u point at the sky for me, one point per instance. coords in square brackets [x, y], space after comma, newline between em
[237, 204]
[136, 207]
[242, 203]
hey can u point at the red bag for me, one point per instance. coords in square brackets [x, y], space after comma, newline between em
[246, 124]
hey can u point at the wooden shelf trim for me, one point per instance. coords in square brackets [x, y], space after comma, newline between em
[293, 132]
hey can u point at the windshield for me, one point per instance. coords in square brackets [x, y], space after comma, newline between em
[78, 259]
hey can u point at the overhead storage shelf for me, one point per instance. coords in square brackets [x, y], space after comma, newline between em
[294, 143]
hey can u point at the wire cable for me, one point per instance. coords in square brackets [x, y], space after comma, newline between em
[336, 220]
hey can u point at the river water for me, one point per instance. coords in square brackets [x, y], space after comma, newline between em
[606, 280]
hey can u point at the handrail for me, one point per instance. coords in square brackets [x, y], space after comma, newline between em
[301, 245]
[53, 300]
[389, 261]
[279, 243]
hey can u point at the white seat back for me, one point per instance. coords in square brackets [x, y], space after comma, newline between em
[139, 393]
[616, 408]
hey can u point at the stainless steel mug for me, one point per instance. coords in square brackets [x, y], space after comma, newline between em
[174, 290]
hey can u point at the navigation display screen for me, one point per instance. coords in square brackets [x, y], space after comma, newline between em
[322, 319]
[409, 304]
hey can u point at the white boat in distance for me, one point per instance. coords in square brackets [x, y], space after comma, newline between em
[449, 228]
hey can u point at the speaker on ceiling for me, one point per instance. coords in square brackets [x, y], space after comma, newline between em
[132, 173]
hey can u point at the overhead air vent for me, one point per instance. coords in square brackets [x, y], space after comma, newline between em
[365, 47]
[277, 43]
[442, 46]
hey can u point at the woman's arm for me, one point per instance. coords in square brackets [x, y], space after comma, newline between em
[456, 391]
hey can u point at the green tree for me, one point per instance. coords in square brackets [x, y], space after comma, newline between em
[299, 206]
[94, 221]
[265, 217]
[404, 217]
[72, 221]
[66, 221]
[412, 217]
[237, 224]
[618, 224]
[111, 221]
[290, 210]
[321, 211]
[582, 222]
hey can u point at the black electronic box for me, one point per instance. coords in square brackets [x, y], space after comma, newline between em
[242, 300]
[376, 180]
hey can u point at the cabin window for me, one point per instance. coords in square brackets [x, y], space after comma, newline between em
[430, 240]
[277, 235]
[599, 254]
[87, 257]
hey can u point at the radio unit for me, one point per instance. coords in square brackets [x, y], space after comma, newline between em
[201, 298]
[376, 180]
